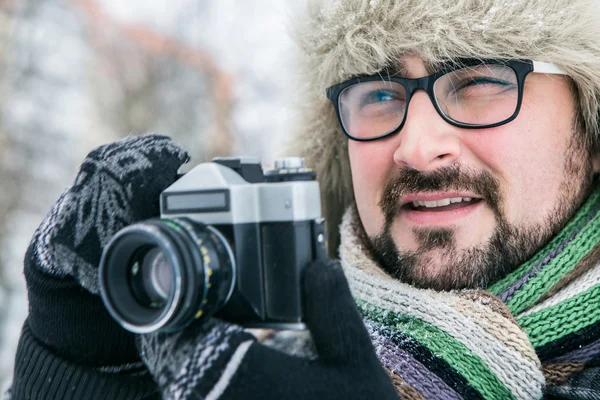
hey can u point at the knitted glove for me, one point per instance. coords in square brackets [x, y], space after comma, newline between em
[218, 360]
[117, 185]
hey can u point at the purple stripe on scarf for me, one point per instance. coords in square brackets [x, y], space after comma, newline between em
[581, 355]
[517, 285]
[403, 364]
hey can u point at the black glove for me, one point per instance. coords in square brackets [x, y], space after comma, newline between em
[218, 360]
[68, 335]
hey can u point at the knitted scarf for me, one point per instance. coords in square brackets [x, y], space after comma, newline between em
[534, 332]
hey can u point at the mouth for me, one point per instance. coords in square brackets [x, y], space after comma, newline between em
[441, 205]
[439, 209]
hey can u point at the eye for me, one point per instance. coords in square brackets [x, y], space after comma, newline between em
[483, 81]
[373, 98]
[378, 96]
[474, 82]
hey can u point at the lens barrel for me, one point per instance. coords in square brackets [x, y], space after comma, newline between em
[161, 274]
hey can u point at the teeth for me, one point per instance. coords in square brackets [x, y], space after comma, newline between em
[440, 203]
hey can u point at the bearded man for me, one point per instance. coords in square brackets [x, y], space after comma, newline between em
[457, 148]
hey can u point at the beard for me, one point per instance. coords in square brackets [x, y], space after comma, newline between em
[481, 265]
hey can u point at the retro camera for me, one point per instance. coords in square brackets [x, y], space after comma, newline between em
[231, 241]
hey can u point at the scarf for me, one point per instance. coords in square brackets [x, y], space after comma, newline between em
[533, 333]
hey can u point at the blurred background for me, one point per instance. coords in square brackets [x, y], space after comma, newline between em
[213, 74]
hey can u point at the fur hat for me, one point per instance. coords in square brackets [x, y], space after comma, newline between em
[340, 39]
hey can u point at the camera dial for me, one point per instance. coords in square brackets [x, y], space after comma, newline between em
[290, 169]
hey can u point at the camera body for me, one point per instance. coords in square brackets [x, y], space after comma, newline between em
[231, 241]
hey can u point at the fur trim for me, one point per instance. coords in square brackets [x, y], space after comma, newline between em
[340, 39]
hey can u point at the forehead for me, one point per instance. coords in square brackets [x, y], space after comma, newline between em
[409, 66]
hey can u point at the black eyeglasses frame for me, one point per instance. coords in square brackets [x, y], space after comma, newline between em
[521, 67]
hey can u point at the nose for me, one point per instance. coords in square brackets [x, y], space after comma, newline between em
[427, 142]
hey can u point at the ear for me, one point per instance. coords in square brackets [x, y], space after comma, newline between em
[596, 163]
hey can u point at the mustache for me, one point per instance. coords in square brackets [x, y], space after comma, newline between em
[454, 177]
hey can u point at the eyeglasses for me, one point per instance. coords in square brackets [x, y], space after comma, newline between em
[472, 94]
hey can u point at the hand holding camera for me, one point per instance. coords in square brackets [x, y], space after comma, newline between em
[248, 248]
[255, 268]
[68, 325]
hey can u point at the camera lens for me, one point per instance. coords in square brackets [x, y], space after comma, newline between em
[150, 277]
[161, 274]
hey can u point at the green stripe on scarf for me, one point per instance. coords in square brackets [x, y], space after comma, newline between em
[565, 318]
[567, 232]
[584, 234]
[457, 355]
[557, 269]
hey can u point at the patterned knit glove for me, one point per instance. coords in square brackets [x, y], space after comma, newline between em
[118, 184]
[218, 360]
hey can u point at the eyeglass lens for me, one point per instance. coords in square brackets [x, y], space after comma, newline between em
[477, 95]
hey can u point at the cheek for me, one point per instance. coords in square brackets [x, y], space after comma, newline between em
[372, 164]
[528, 158]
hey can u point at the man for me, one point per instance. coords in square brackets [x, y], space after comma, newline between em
[522, 150]
[461, 169]
[457, 150]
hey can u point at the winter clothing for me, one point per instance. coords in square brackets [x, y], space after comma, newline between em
[69, 337]
[467, 344]
[71, 349]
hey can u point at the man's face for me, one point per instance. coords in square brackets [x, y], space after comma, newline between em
[510, 188]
